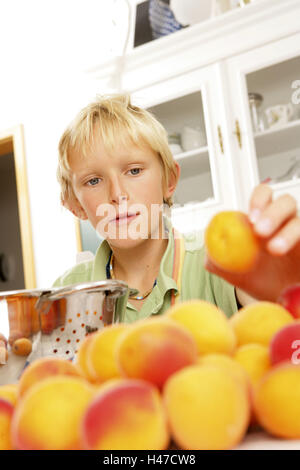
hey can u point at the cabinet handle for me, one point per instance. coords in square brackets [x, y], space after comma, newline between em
[238, 133]
[220, 139]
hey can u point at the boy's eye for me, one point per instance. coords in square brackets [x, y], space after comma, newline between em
[135, 171]
[92, 182]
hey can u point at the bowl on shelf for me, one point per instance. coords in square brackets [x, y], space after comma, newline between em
[279, 115]
[192, 138]
[174, 141]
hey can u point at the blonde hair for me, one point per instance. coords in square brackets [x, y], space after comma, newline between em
[116, 119]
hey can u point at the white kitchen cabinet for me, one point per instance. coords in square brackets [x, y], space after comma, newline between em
[200, 77]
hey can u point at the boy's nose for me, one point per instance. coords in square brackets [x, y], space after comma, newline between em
[117, 193]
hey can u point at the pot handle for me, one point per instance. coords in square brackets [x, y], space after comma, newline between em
[133, 291]
[43, 304]
[45, 300]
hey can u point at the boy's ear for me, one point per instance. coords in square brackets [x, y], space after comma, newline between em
[74, 206]
[173, 180]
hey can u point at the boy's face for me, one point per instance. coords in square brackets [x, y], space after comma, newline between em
[126, 182]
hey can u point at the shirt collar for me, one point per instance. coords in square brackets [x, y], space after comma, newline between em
[165, 281]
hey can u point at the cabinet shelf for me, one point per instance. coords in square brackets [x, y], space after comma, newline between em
[194, 165]
[274, 141]
[286, 185]
[195, 179]
[191, 153]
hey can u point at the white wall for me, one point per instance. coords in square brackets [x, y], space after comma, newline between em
[45, 48]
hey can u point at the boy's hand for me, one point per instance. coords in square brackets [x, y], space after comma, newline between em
[278, 227]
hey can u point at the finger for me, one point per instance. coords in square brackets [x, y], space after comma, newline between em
[275, 214]
[286, 239]
[261, 197]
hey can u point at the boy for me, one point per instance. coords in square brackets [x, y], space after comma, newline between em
[115, 167]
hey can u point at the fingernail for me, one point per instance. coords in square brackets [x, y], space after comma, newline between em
[279, 244]
[264, 227]
[254, 215]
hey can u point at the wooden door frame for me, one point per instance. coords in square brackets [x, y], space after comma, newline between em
[12, 141]
[78, 235]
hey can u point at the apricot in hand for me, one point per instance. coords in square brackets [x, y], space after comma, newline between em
[231, 242]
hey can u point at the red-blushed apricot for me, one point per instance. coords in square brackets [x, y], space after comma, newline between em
[277, 401]
[48, 416]
[153, 349]
[289, 298]
[258, 322]
[125, 415]
[285, 344]
[100, 353]
[231, 243]
[43, 368]
[207, 408]
[6, 413]
[208, 325]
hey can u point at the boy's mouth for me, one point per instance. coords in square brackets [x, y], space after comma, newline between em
[125, 217]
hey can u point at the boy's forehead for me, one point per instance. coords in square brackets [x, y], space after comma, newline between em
[120, 150]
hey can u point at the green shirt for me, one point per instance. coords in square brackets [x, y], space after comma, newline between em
[197, 283]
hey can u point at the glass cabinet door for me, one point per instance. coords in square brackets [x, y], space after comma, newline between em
[275, 118]
[184, 121]
[265, 88]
